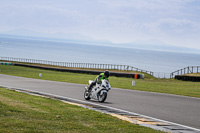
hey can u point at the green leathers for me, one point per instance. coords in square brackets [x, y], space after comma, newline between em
[100, 77]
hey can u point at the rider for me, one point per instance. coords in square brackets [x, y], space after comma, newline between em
[98, 79]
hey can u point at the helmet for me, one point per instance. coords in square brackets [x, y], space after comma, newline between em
[107, 73]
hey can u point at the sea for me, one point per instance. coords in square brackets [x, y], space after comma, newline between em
[160, 62]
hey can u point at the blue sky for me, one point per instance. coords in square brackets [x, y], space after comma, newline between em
[173, 22]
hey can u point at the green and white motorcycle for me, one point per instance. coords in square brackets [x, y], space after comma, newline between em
[98, 91]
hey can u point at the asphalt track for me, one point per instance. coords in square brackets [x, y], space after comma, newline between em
[172, 108]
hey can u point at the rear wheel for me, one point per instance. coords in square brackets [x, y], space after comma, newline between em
[102, 98]
[87, 95]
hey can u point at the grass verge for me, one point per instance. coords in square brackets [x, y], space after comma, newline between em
[169, 86]
[20, 112]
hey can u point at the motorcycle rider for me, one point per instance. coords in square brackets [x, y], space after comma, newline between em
[98, 79]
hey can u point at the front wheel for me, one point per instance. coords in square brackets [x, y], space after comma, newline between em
[102, 98]
[87, 95]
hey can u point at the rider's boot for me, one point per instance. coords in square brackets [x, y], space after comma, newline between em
[91, 85]
[89, 89]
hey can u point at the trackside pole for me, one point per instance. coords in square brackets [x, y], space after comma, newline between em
[133, 83]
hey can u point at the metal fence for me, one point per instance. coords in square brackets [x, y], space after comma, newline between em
[77, 65]
[186, 70]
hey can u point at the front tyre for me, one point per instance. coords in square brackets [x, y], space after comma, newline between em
[87, 95]
[102, 98]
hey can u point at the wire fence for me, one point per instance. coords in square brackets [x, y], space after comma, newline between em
[162, 75]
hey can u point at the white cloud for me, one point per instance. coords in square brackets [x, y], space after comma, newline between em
[145, 4]
[173, 24]
[115, 20]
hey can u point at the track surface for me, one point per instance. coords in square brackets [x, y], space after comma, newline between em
[173, 108]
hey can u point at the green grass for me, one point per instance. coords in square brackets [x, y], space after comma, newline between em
[20, 112]
[170, 86]
[193, 74]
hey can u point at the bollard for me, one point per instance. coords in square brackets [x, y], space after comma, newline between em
[133, 83]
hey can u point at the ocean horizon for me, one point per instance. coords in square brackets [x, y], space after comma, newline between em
[150, 60]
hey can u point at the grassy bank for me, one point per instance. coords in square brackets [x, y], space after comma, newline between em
[193, 74]
[21, 112]
[75, 68]
[169, 86]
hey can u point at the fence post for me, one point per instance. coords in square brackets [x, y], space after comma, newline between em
[171, 75]
[192, 69]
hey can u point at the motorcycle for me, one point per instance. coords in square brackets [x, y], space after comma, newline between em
[98, 91]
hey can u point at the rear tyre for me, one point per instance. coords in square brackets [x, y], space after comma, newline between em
[87, 95]
[102, 98]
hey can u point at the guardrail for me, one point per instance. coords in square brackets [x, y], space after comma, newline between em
[78, 65]
[188, 78]
[186, 70]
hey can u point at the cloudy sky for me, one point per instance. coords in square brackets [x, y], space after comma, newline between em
[174, 22]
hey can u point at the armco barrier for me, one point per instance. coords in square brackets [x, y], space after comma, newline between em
[117, 74]
[188, 78]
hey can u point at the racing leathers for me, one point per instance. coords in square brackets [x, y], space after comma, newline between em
[97, 80]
